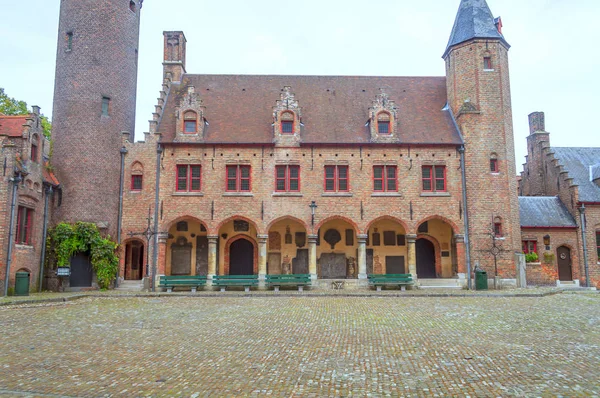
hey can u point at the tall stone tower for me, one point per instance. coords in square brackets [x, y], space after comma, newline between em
[94, 103]
[478, 88]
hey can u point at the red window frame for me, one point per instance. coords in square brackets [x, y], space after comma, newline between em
[336, 179]
[386, 179]
[237, 178]
[494, 165]
[487, 63]
[287, 178]
[527, 246]
[24, 225]
[141, 180]
[432, 180]
[185, 179]
[498, 229]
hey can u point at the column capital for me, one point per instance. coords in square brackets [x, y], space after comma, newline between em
[362, 238]
[213, 238]
[459, 238]
[262, 238]
[313, 238]
[411, 238]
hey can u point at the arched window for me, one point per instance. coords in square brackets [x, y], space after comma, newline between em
[494, 163]
[34, 148]
[132, 5]
[497, 227]
[190, 122]
[287, 123]
[383, 123]
[137, 176]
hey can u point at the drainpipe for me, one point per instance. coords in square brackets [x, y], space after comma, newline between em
[49, 192]
[461, 150]
[120, 221]
[585, 260]
[159, 151]
[15, 180]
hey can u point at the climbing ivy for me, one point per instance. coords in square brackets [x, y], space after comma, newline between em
[65, 240]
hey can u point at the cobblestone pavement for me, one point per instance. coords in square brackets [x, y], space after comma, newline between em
[302, 346]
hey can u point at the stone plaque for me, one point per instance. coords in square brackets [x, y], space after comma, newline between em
[181, 257]
[333, 266]
[300, 262]
[274, 241]
[201, 255]
[300, 238]
[369, 261]
[241, 226]
[332, 236]
[394, 265]
[274, 264]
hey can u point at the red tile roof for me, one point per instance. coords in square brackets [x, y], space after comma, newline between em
[12, 126]
[49, 176]
[239, 108]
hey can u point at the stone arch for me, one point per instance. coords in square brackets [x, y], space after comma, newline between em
[437, 250]
[299, 221]
[225, 270]
[137, 167]
[342, 218]
[389, 218]
[236, 217]
[455, 229]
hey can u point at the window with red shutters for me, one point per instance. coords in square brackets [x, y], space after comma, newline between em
[24, 225]
[287, 178]
[434, 178]
[385, 179]
[238, 178]
[136, 182]
[188, 178]
[529, 246]
[336, 179]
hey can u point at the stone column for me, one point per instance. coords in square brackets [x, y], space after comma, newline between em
[262, 261]
[312, 257]
[460, 258]
[362, 258]
[412, 255]
[212, 258]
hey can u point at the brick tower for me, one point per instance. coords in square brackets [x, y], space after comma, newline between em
[94, 103]
[478, 88]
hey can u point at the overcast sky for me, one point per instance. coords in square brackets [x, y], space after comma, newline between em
[554, 59]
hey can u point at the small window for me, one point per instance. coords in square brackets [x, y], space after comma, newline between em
[497, 227]
[136, 182]
[287, 178]
[494, 165]
[132, 6]
[69, 40]
[336, 179]
[190, 122]
[238, 178]
[34, 149]
[287, 123]
[487, 63]
[24, 224]
[434, 178]
[385, 179]
[188, 178]
[105, 106]
[598, 244]
[529, 246]
[383, 123]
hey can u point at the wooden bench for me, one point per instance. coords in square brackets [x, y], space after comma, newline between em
[224, 281]
[379, 280]
[171, 281]
[299, 280]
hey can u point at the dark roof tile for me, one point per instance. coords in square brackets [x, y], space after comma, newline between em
[544, 211]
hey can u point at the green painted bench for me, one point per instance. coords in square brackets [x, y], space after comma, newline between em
[379, 280]
[299, 280]
[171, 281]
[224, 281]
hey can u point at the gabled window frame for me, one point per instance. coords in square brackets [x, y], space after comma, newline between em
[433, 179]
[336, 179]
[188, 178]
[385, 178]
[24, 226]
[133, 182]
[287, 178]
[238, 179]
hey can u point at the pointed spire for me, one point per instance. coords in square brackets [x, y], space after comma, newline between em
[474, 20]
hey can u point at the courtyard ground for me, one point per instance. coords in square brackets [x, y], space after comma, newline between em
[302, 346]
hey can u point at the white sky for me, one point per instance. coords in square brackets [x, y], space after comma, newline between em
[554, 59]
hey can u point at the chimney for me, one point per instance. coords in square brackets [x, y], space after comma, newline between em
[174, 54]
[537, 122]
[498, 23]
[36, 109]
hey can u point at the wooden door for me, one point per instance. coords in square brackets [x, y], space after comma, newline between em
[565, 269]
[241, 258]
[425, 259]
[81, 271]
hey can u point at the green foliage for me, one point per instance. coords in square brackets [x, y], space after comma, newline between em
[10, 106]
[65, 240]
[531, 257]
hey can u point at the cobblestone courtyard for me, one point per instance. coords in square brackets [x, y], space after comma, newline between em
[305, 346]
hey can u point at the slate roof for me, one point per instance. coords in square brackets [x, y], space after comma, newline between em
[12, 126]
[474, 20]
[544, 211]
[577, 162]
[239, 108]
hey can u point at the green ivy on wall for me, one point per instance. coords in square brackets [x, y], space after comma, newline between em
[65, 240]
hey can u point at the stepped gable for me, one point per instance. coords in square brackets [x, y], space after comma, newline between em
[577, 162]
[544, 211]
[335, 109]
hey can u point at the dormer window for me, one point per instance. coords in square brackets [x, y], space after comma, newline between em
[383, 123]
[190, 122]
[287, 123]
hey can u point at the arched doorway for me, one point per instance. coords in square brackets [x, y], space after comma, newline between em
[241, 257]
[425, 259]
[565, 268]
[81, 271]
[134, 261]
